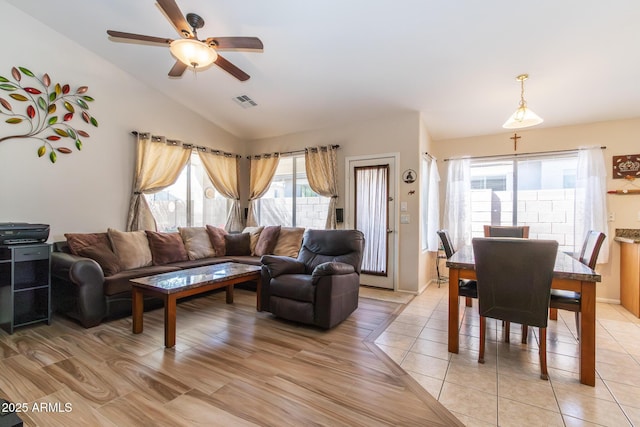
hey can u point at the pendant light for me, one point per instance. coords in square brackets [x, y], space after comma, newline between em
[523, 117]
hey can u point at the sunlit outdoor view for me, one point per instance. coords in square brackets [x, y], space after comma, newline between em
[543, 199]
[190, 202]
[290, 201]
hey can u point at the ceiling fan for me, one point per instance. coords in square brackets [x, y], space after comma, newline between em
[189, 50]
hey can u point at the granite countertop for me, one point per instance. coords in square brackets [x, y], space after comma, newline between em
[565, 267]
[627, 235]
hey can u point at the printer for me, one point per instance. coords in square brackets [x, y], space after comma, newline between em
[23, 233]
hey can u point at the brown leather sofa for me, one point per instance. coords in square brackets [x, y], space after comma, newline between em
[321, 286]
[91, 282]
[81, 291]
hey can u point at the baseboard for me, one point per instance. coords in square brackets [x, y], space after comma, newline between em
[608, 301]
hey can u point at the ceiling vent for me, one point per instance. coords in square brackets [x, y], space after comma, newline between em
[244, 101]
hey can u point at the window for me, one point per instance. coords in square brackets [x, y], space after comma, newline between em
[190, 202]
[290, 201]
[534, 191]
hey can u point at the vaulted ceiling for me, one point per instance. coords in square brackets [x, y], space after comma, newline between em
[330, 62]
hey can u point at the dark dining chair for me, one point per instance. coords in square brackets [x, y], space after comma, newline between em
[466, 288]
[524, 301]
[570, 300]
[520, 231]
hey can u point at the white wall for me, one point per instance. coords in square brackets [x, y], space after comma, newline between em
[426, 260]
[618, 136]
[395, 134]
[88, 190]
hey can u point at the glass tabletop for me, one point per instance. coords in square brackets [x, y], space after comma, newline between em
[192, 277]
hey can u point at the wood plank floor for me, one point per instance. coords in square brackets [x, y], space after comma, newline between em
[231, 366]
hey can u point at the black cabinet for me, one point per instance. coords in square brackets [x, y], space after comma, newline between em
[25, 285]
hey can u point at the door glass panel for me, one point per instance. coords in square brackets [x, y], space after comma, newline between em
[372, 216]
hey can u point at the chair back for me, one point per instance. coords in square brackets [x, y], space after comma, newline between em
[320, 246]
[514, 278]
[447, 245]
[521, 231]
[591, 248]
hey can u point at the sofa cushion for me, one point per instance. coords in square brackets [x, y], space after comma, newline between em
[246, 259]
[197, 242]
[216, 235]
[104, 256]
[267, 240]
[254, 233]
[131, 248]
[289, 241]
[166, 247]
[79, 241]
[119, 282]
[237, 244]
[200, 262]
[97, 247]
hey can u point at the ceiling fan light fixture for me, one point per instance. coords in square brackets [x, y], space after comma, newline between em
[523, 117]
[193, 53]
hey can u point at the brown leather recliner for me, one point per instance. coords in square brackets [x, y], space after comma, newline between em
[321, 286]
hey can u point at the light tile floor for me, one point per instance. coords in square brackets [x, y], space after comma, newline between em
[507, 389]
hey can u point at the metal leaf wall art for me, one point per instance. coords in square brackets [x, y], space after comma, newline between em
[42, 111]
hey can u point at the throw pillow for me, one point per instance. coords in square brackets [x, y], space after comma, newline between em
[131, 248]
[166, 247]
[216, 235]
[289, 241]
[79, 241]
[105, 257]
[196, 242]
[254, 233]
[97, 247]
[267, 240]
[237, 244]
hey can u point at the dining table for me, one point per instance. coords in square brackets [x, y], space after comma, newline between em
[568, 274]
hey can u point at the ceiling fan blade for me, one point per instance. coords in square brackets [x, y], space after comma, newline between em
[231, 69]
[176, 16]
[178, 69]
[131, 36]
[249, 43]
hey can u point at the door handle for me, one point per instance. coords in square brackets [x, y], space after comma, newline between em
[389, 231]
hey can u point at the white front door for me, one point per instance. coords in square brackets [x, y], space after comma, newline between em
[371, 209]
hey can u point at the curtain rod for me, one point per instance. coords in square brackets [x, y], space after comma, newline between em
[286, 153]
[507, 156]
[431, 156]
[186, 145]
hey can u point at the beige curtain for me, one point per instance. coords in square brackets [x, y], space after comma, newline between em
[158, 165]
[262, 170]
[223, 170]
[322, 173]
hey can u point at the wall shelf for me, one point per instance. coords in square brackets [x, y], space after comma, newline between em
[625, 192]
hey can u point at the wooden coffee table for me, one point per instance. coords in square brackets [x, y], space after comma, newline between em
[183, 283]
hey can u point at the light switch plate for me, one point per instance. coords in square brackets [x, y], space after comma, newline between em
[403, 206]
[404, 219]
